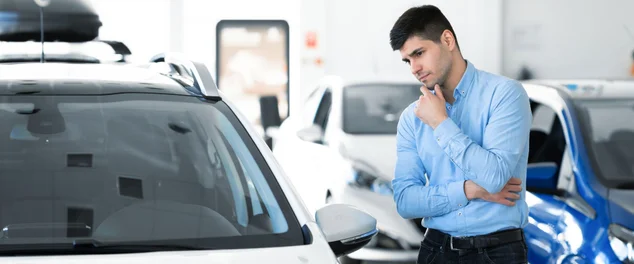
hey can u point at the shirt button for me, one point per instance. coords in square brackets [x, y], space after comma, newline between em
[460, 205]
[437, 139]
[459, 213]
[462, 92]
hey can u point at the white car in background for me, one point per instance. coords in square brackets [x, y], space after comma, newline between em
[343, 150]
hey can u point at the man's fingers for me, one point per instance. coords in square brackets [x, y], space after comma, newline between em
[513, 188]
[424, 90]
[515, 181]
[438, 91]
[514, 196]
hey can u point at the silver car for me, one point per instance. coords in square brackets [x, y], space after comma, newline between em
[342, 149]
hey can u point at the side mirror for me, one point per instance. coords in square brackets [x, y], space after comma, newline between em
[346, 228]
[313, 133]
[541, 176]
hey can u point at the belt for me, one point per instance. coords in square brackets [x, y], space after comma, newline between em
[475, 242]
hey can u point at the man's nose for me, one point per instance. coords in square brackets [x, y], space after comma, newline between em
[415, 68]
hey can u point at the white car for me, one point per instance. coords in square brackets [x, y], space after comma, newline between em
[103, 163]
[343, 150]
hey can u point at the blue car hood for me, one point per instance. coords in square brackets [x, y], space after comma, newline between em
[622, 207]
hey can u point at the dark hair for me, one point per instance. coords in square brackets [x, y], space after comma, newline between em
[426, 21]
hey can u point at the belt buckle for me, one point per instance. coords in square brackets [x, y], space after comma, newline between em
[451, 244]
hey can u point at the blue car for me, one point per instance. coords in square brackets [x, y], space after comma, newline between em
[580, 181]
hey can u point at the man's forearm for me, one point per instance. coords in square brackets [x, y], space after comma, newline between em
[417, 201]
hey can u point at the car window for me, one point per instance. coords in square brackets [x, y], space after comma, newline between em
[543, 117]
[136, 167]
[547, 141]
[608, 131]
[375, 109]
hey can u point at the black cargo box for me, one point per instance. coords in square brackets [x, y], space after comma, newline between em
[64, 20]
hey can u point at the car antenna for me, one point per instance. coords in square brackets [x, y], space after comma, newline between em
[42, 4]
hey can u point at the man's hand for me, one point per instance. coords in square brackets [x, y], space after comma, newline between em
[508, 193]
[430, 107]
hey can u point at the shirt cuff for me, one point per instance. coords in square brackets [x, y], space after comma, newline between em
[445, 131]
[456, 195]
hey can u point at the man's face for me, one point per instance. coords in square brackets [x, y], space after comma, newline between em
[429, 61]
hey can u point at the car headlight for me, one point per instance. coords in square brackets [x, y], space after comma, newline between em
[621, 241]
[364, 176]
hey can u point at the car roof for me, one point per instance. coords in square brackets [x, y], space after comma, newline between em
[589, 89]
[88, 79]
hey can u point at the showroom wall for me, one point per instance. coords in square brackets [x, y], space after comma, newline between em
[143, 25]
[356, 34]
[569, 38]
[351, 37]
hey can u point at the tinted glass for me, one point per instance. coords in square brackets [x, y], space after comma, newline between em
[375, 109]
[135, 167]
[608, 128]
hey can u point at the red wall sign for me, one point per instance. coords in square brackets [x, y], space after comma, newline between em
[311, 40]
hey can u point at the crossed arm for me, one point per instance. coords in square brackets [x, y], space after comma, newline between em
[489, 166]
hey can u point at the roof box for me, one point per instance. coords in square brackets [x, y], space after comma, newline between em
[64, 20]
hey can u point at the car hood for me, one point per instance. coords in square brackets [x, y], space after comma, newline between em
[299, 254]
[317, 252]
[302, 255]
[621, 207]
[376, 150]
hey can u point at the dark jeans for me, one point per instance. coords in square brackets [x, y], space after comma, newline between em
[440, 252]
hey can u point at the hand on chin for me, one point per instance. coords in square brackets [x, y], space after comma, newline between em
[430, 107]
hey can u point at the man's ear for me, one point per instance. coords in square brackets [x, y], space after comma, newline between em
[448, 40]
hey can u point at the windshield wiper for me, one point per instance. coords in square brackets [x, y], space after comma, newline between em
[92, 246]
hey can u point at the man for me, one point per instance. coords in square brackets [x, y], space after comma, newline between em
[462, 149]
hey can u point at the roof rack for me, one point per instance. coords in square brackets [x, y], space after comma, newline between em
[191, 74]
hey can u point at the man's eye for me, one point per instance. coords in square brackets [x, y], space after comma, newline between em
[419, 53]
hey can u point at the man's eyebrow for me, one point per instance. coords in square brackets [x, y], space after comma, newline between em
[412, 54]
[415, 51]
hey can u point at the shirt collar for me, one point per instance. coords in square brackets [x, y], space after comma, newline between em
[466, 80]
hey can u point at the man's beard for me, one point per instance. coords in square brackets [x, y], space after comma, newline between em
[443, 78]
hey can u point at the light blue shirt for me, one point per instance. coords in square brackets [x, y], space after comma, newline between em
[485, 139]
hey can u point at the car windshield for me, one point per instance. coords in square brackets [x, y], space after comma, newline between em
[375, 109]
[608, 129]
[135, 168]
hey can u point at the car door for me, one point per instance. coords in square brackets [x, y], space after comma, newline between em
[546, 207]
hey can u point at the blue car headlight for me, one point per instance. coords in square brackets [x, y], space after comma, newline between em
[363, 176]
[622, 243]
